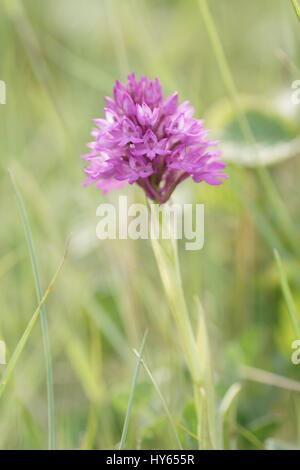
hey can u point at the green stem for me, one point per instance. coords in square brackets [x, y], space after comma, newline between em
[166, 255]
[167, 261]
[296, 8]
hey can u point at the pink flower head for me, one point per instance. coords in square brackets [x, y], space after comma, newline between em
[154, 143]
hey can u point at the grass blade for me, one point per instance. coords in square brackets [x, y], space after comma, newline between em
[208, 394]
[228, 414]
[134, 382]
[51, 424]
[296, 8]
[268, 378]
[288, 296]
[163, 401]
[205, 437]
[20, 346]
[250, 437]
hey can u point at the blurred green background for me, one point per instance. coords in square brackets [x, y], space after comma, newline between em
[58, 59]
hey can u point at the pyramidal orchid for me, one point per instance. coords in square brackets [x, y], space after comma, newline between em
[150, 141]
[157, 144]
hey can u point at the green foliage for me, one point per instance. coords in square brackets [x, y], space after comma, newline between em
[58, 63]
